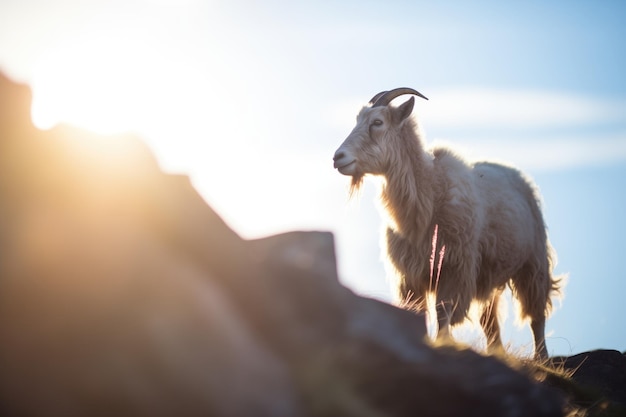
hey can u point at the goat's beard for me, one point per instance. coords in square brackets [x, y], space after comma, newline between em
[355, 184]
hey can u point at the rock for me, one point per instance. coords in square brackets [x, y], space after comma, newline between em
[600, 375]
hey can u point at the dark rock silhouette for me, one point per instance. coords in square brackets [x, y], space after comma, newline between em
[600, 380]
[123, 293]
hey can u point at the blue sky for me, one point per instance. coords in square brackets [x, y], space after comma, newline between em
[251, 99]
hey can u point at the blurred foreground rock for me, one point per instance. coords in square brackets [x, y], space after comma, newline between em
[123, 293]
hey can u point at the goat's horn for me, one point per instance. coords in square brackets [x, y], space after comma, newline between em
[377, 96]
[384, 97]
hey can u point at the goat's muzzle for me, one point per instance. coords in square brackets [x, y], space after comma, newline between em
[344, 162]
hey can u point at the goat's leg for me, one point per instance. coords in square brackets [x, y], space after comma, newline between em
[449, 314]
[490, 325]
[444, 316]
[532, 287]
[451, 310]
[537, 325]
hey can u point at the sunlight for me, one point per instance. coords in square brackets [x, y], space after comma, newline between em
[80, 83]
[111, 84]
[116, 84]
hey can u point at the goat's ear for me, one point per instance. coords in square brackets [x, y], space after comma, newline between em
[404, 110]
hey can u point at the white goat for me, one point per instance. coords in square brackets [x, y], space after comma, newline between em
[480, 223]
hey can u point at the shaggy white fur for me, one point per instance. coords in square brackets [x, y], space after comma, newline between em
[487, 219]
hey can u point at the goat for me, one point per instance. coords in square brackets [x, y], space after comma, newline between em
[482, 220]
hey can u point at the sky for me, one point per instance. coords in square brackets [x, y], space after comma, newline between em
[251, 99]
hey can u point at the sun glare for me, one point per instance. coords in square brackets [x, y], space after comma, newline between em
[78, 83]
[118, 84]
[111, 85]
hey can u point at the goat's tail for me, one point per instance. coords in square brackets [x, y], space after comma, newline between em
[535, 286]
[556, 283]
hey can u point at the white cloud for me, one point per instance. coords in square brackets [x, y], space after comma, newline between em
[545, 152]
[493, 108]
[488, 108]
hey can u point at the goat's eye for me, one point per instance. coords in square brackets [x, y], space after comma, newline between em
[377, 122]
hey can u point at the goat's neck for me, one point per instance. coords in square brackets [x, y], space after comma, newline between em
[408, 192]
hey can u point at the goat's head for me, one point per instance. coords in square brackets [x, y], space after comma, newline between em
[368, 148]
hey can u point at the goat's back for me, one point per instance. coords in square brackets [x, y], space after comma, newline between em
[508, 193]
